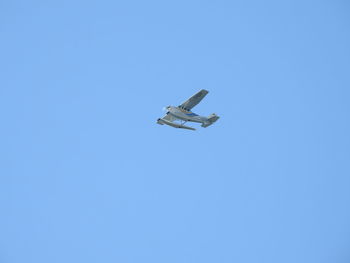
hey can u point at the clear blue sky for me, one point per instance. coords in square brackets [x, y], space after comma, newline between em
[88, 176]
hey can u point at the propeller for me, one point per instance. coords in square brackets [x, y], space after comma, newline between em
[166, 109]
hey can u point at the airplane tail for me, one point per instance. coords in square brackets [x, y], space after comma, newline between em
[211, 119]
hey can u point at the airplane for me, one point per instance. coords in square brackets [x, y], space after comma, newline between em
[184, 114]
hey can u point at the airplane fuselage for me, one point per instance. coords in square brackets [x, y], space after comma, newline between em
[185, 115]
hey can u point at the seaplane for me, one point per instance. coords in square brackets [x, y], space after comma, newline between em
[177, 116]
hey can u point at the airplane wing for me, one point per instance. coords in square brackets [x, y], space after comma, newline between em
[194, 100]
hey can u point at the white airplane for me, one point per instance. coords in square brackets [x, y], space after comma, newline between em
[184, 114]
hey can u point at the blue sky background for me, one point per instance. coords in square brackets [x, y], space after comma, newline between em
[87, 175]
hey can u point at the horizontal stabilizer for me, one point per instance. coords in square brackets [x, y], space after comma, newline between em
[211, 119]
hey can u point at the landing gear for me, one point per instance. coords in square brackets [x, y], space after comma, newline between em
[182, 122]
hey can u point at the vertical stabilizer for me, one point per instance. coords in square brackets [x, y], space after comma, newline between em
[211, 119]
